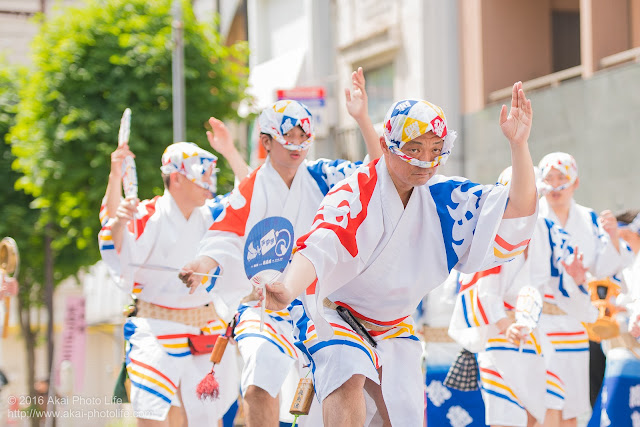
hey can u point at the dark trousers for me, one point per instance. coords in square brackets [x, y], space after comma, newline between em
[597, 362]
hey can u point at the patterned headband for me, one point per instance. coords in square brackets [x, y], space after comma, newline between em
[191, 161]
[410, 118]
[283, 116]
[563, 162]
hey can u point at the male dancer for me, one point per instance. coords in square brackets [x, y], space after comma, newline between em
[512, 359]
[163, 372]
[385, 237]
[604, 254]
[285, 185]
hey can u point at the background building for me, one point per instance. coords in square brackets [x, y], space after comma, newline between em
[578, 62]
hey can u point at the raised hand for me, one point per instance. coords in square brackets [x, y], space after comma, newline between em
[219, 137]
[125, 212]
[576, 269]
[357, 101]
[517, 125]
[609, 224]
[127, 209]
[116, 160]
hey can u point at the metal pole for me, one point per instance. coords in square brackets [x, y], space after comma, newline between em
[177, 32]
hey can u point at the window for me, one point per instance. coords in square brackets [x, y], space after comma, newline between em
[380, 91]
[565, 27]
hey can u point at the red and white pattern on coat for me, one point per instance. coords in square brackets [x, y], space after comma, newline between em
[146, 209]
[237, 208]
[345, 208]
[467, 281]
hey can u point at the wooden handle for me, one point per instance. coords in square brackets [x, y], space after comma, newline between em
[303, 398]
[218, 349]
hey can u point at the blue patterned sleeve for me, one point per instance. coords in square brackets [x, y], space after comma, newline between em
[328, 173]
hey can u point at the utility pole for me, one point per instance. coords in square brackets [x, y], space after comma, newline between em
[177, 67]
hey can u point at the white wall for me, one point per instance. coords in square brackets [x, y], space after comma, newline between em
[418, 37]
[595, 120]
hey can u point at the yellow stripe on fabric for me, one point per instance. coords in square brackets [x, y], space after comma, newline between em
[105, 237]
[279, 313]
[535, 342]
[473, 310]
[497, 384]
[400, 332]
[499, 254]
[274, 337]
[182, 345]
[311, 338]
[570, 342]
[136, 290]
[412, 331]
[213, 330]
[555, 385]
[150, 379]
[269, 333]
[506, 341]
[359, 339]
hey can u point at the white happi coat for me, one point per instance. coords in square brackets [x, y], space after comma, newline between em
[570, 360]
[379, 258]
[158, 356]
[512, 378]
[163, 238]
[600, 256]
[268, 355]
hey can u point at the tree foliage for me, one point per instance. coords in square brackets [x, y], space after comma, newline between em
[90, 63]
[19, 220]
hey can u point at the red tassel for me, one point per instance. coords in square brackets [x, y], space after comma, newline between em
[208, 387]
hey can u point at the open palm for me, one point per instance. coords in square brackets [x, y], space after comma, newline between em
[516, 126]
[576, 269]
[357, 101]
[219, 136]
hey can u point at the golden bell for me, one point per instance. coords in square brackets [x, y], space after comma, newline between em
[9, 256]
[605, 327]
[9, 264]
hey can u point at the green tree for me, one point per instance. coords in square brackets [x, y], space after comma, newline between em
[19, 221]
[89, 64]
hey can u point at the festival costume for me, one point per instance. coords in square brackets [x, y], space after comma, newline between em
[158, 357]
[270, 356]
[366, 248]
[570, 361]
[378, 259]
[515, 381]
